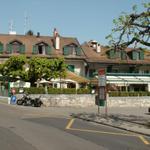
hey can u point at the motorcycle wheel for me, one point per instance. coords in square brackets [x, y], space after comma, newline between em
[24, 104]
[19, 102]
[33, 105]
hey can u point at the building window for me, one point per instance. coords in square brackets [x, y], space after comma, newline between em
[138, 55]
[123, 55]
[71, 68]
[15, 47]
[72, 49]
[42, 49]
[91, 73]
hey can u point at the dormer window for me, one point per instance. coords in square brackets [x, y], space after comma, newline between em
[72, 49]
[113, 54]
[42, 49]
[15, 47]
[137, 55]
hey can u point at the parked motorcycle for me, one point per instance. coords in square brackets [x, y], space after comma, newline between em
[26, 100]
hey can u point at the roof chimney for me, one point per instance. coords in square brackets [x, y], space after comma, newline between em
[56, 39]
[98, 48]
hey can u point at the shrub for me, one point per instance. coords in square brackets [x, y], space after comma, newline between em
[41, 90]
[83, 91]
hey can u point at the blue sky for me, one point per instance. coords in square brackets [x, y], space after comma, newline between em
[83, 19]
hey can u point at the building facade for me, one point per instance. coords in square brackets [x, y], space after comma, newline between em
[127, 70]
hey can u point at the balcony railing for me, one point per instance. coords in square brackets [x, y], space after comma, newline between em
[128, 74]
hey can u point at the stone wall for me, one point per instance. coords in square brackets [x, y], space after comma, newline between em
[85, 100]
[143, 101]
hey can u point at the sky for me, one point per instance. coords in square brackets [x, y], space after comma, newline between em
[84, 19]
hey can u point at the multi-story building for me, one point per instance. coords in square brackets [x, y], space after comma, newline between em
[126, 70]
[49, 47]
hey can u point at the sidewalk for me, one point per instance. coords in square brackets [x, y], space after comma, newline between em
[131, 119]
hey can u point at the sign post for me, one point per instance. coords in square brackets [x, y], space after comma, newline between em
[101, 98]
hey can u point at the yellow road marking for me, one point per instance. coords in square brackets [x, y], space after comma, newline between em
[70, 124]
[102, 132]
[144, 140]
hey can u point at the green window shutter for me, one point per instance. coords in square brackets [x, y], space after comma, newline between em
[78, 51]
[1, 48]
[22, 49]
[48, 50]
[9, 48]
[134, 55]
[123, 55]
[71, 68]
[92, 73]
[35, 49]
[117, 54]
[141, 55]
[66, 50]
[111, 54]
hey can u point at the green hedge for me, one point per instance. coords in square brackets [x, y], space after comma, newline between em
[83, 91]
[124, 94]
[41, 90]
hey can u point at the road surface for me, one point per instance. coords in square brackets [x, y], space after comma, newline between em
[29, 128]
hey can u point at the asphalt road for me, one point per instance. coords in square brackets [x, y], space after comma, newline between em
[108, 137]
[32, 129]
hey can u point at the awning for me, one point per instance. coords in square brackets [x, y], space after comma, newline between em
[72, 76]
[124, 80]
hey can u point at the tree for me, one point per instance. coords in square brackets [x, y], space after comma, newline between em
[43, 68]
[131, 29]
[15, 68]
[33, 69]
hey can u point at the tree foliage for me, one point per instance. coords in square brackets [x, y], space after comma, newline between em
[14, 67]
[131, 29]
[47, 69]
[33, 69]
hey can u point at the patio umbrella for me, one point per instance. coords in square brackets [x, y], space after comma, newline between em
[45, 82]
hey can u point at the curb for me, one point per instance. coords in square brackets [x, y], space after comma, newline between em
[131, 121]
[125, 129]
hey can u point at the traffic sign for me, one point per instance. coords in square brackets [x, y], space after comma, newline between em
[101, 71]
